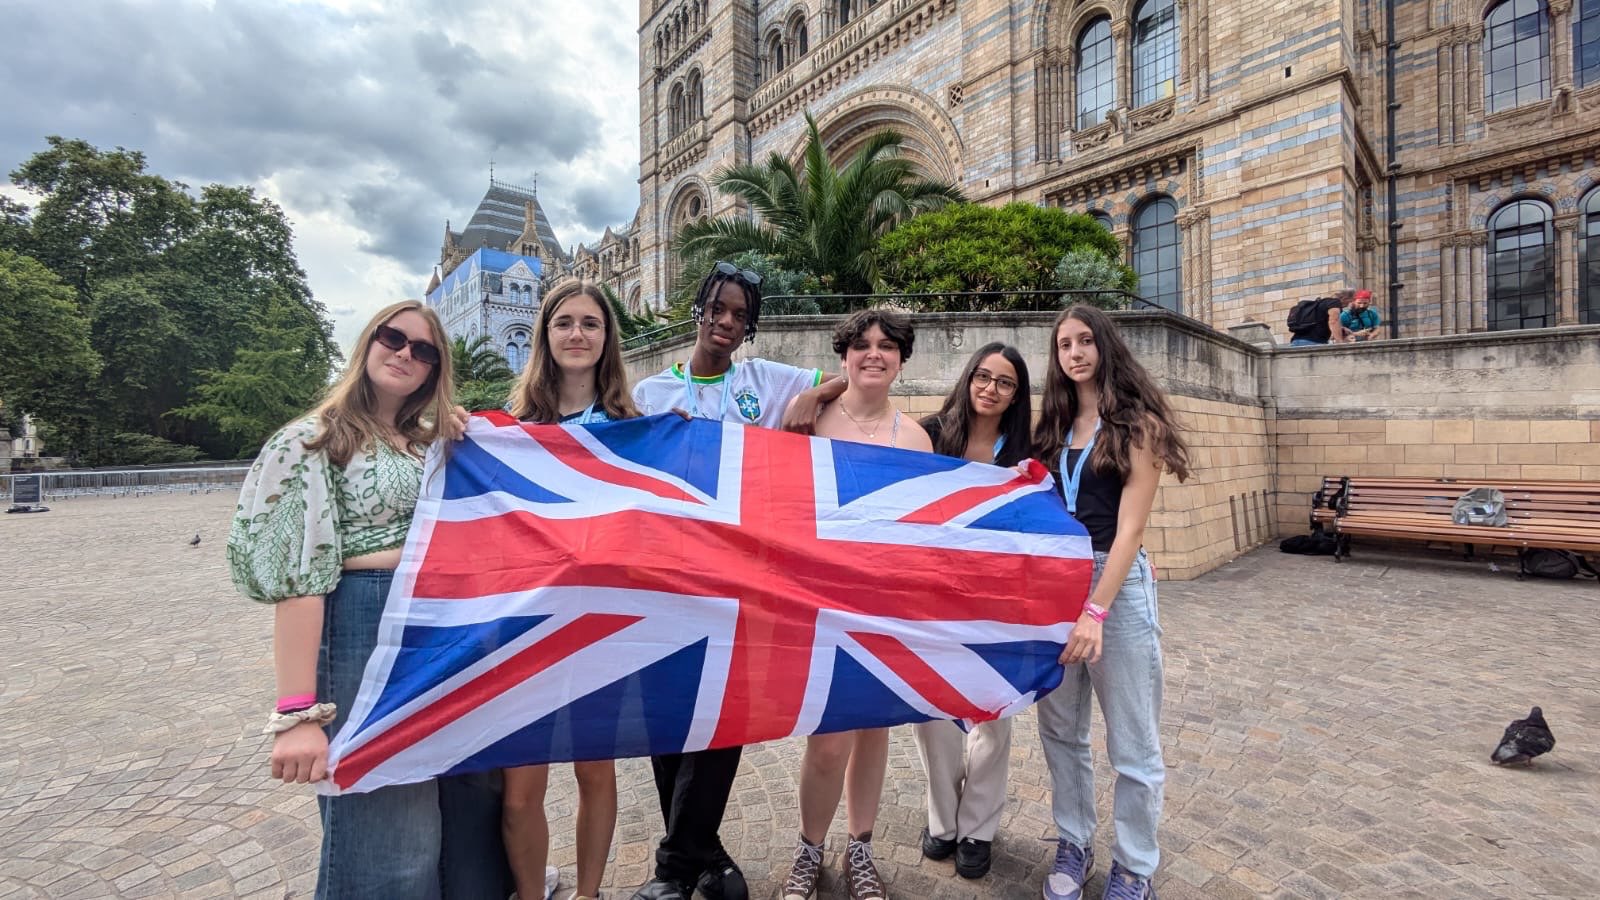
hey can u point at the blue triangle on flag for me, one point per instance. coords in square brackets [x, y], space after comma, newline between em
[474, 471]
[856, 698]
[645, 713]
[1025, 664]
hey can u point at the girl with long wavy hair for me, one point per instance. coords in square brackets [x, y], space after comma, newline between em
[318, 532]
[574, 376]
[1109, 432]
[985, 418]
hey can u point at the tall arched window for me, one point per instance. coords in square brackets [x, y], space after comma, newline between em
[697, 98]
[1586, 43]
[846, 7]
[1521, 266]
[1097, 74]
[1157, 254]
[676, 114]
[1155, 51]
[801, 41]
[1589, 261]
[775, 52]
[1516, 46]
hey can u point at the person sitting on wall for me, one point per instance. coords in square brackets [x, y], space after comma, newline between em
[1360, 321]
[1319, 323]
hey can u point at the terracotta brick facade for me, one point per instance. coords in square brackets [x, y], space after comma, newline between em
[1267, 133]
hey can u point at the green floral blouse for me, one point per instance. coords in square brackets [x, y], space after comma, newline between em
[300, 517]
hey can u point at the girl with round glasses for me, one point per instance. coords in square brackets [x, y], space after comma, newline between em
[574, 376]
[985, 418]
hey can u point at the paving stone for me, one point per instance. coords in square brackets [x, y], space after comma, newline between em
[1327, 729]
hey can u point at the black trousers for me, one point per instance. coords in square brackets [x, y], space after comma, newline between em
[694, 790]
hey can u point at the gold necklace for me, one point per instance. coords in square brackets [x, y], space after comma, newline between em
[878, 419]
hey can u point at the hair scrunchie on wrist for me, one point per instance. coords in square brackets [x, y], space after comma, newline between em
[318, 714]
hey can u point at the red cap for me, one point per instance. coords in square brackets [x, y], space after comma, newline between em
[1363, 294]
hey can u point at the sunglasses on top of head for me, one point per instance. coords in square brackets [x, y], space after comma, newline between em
[733, 271]
[395, 339]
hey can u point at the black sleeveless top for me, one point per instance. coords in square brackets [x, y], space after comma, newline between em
[1099, 498]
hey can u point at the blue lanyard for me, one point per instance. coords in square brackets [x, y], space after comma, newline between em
[694, 400]
[588, 414]
[1071, 483]
[999, 444]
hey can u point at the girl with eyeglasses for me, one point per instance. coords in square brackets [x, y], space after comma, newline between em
[1109, 432]
[320, 525]
[985, 418]
[574, 375]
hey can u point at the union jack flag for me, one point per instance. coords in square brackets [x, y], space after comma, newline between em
[660, 585]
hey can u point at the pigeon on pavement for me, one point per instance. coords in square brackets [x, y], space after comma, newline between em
[1524, 739]
[195, 541]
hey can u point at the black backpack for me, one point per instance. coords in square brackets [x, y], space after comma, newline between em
[1543, 563]
[1307, 313]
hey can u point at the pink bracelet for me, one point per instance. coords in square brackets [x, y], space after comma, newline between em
[1097, 613]
[296, 702]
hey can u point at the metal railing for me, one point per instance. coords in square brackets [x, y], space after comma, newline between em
[67, 484]
[953, 301]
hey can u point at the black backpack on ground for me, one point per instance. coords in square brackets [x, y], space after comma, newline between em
[1544, 563]
[1307, 314]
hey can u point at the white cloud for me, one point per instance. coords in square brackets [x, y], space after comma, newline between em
[370, 122]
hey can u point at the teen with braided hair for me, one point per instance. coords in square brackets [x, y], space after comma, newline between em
[694, 787]
[1109, 432]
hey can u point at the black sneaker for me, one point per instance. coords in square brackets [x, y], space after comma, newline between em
[972, 858]
[723, 880]
[661, 889]
[936, 848]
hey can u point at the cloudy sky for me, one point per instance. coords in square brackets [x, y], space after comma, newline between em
[370, 121]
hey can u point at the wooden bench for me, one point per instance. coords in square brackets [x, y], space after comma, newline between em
[1557, 515]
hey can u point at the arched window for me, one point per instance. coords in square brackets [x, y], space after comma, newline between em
[1586, 43]
[1521, 266]
[1097, 74]
[1157, 254]
[846, 7]
[697, 98]
[676, 114]
[1516, 54]
[801, 42]
[775, 53]
[1589, 261]
[1101, 216]
[1155, 51]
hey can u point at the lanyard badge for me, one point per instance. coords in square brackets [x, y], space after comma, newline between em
[693, 405]
[1070, 482]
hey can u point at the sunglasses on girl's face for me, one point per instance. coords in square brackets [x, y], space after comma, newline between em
[395, 339]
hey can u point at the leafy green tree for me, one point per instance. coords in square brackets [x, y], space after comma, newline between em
[279, 375]
[820, 219]
[1083, 269]
[477, 361]
[476, 395]
[968, 247]
[628, 324]
[47, 367]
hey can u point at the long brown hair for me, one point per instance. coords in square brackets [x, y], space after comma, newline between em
[536, 397]
[953, 421]
[1133, 410]
[349, 413]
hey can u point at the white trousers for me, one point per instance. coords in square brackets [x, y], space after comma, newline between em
[966, 777]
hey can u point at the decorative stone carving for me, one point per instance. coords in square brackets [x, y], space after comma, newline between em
[1147, 117]
[1090, 138]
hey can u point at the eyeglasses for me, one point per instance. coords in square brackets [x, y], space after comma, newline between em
[567, 326]
[1005, 387]
[396, 340]
[733, 271]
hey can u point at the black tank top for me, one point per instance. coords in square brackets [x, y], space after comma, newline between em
[1099, 498]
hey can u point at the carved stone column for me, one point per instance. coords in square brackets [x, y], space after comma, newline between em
[1120, 33]
[1566, 280]
[1194, 233]
[1560, 47]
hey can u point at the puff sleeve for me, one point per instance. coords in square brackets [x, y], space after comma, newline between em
[284, 541]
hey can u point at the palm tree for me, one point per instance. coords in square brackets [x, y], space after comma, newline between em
[825, 221]
[478, 361]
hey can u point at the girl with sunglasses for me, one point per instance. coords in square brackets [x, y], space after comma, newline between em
[320, 525]
[1110, 432]
[985, 419]
[574, 375]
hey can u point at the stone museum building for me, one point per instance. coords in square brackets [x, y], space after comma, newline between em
[1246, 153]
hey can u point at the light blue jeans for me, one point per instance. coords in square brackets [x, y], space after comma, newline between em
[437, 839]
[1127, 681]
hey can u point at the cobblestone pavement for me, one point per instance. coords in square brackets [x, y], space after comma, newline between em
[1327, 729]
